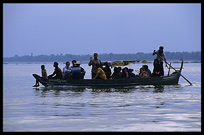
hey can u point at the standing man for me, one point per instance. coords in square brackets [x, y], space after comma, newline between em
[160, 57]
[93, 62]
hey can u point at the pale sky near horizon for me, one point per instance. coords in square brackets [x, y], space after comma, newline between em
[103, 28]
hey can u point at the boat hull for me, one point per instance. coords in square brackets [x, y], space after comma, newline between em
[166, 80]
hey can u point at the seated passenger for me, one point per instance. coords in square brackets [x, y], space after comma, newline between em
[125, 73]
[77, 71]
[44, 75]
[100, 74]
[107, 70]
[131, 74]
[57, 74]
[66, 71]
[117, 73]
[157, 69]
[143, 73]
[147, 69]
[73, 63]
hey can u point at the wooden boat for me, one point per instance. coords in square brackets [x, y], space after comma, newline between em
[171, 79]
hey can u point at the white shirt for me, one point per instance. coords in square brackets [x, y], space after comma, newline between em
[65, 69]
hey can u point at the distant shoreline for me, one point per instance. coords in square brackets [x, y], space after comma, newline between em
[171, 56]
[85, 62]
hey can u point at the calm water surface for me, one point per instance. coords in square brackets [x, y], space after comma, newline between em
[139, 108]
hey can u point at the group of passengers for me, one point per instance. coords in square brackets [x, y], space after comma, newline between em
[73, 72]
[100, 72]
[103, 71]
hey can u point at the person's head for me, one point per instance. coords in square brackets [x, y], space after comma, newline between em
[106, 64]
[141, 69]
[42, 67]
[119, 69]
[67, 64]
[73, 63]
[125, 69]
[161, 48]
[130, 71]
[95, 56]
[55, 64]
[145, 67]
[156, 62]
[115, 69]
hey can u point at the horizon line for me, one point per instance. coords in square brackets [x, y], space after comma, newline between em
[31, 54]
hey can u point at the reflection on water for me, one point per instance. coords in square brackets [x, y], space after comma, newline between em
[152, 107]
[77, 89]
[138, 108]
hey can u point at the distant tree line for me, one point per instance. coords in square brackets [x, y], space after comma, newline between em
[186, 56]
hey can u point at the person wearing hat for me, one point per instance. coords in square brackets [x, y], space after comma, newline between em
[57, 74]
[161, 58]
[77, 71]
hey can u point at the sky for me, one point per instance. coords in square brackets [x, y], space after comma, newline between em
[44, 29]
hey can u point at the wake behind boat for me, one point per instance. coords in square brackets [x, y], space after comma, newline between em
[171, 79]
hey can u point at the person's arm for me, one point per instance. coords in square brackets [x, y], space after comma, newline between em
[83, 71]
[126, 75]
[64, 70]
[140, 75]
[90, 62]
[154, 52]
[44, 74]
[109, 72]
[164, 57]
[97, 74]
[100, 63]
[53, 73]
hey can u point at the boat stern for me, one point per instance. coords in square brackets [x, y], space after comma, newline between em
[40, 79]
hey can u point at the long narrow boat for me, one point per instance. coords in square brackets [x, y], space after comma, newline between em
[171, 79]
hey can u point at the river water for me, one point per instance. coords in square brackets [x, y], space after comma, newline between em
[139, 108]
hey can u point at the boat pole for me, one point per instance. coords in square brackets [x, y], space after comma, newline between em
[175, 69]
